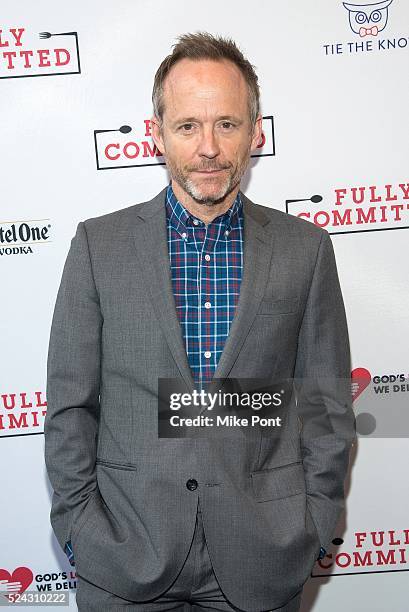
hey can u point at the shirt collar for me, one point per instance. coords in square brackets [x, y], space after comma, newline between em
[181, 218]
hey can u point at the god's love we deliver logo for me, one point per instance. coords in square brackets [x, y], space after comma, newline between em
[20, 586]
[369, 23]
[27, 54]
[127, 147]
[380, 403]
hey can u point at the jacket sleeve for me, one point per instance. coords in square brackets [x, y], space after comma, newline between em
[73, 382]
[323, 391]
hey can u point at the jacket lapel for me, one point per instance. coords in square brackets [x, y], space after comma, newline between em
[150, 234]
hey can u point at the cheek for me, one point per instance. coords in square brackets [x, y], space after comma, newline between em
[240, 157]
[175, 151]
[183, 150]
[237, 149]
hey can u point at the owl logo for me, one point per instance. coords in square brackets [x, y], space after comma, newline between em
[368, 19]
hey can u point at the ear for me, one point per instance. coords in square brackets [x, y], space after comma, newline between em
[257, 133]
[157, 135]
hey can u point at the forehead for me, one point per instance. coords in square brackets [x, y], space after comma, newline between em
[205, 84]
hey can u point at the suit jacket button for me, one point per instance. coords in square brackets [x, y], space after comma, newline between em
[191, 484]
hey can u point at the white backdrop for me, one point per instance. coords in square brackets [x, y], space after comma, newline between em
[338, 102]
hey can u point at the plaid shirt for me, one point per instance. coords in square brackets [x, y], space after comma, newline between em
[206, 265]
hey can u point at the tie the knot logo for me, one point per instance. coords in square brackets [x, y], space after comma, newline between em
[368, 19]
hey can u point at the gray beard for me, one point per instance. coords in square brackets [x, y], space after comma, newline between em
[197, 196]
[195, 193]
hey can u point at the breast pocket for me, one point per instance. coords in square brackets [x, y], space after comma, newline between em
[272, 306]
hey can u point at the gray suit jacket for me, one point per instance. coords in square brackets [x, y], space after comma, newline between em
[120, 494]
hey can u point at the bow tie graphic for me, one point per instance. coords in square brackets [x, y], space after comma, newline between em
[367, 31]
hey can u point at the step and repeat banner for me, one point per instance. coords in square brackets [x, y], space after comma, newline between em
[75, 97]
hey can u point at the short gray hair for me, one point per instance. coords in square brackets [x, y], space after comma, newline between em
[203, 45]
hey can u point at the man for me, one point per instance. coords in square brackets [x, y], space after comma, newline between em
[196, 285]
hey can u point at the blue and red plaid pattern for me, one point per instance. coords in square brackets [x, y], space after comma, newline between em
[206, 264]
[69, 553]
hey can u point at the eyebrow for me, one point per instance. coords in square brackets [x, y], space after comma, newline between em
[196, 120]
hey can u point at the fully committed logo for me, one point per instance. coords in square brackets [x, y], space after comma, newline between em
[368, 19]
[21, 54]
[348, 210]
[22, 414]
[128, 147]
[366, 552]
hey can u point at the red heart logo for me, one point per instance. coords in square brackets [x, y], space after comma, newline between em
[24, 575]
[361, 378]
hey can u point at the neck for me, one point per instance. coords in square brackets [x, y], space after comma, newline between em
[204, 212]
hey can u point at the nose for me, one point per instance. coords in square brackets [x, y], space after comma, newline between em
[208, 144]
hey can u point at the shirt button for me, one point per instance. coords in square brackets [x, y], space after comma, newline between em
[226, 233]
[207, 354]
[184, 235]
[195, 221]
[207, 305]
[207, 257]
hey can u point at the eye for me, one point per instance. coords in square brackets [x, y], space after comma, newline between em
[360, 18]
[227, 125]
[376, 16]
[186, 127]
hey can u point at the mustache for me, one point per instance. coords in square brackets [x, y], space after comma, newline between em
[208, 168]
